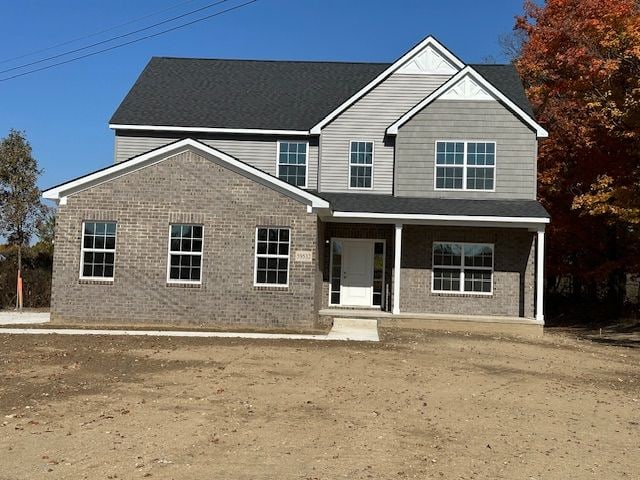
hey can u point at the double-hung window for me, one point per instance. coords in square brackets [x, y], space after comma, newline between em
[465, 165]
[97, 258]
[185, 254]
[292, 163]
[272, 256]
[462, 268]
[361, 165]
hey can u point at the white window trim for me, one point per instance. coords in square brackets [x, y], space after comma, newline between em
[306, 161]
[170, 252]
[384, 268]
[97, 250]
[465, 166]
[270, 255]
[373, 161]
[461, 268]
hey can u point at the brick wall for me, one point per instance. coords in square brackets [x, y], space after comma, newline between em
[185, 188]
[513, 278]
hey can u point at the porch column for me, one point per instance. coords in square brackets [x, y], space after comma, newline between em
[540, 276]
[397, 247]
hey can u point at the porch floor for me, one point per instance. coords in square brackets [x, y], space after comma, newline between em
[492, 325]
[375, 313]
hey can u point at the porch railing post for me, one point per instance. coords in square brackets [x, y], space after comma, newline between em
[396, 268]
[540, 276]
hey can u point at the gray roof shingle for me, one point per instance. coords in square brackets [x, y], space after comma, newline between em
[377, 203]
[256, 94]
[274, 95]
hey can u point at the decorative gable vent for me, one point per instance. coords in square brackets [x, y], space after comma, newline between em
[428, 62]
[466, 89]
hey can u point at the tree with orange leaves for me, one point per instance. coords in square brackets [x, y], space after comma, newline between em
[580, 60]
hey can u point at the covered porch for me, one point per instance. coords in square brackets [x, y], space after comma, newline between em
[407, 265]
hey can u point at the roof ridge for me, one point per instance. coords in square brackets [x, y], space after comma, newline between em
[257, 60]
[491, 64]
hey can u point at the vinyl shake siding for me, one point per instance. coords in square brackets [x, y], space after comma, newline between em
[260, 152]
[367, 120]
[516, 148]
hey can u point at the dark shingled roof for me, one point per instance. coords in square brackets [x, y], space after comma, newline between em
[254, 94]
[377, 203]
[241, 93]
[506, 79]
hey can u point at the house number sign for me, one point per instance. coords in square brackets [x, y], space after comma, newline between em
[303, 256]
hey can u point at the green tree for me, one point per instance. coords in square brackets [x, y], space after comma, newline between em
[20, 207]
[45, 227]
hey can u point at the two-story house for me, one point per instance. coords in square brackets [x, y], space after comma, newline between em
[282, 193]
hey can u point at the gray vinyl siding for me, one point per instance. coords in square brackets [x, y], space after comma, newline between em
[516, 148]
[260, 153]
[368, 120]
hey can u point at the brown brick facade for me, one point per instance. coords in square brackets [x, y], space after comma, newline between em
[185, 188]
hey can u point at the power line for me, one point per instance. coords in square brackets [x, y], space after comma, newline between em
[130, 42]
[112, 39]
[77, 39]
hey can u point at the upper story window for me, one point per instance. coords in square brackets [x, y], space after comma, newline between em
[292, 162]
[465, 165]
[361, 165]
[272, 256]
[97, 258]
[185, 254]
[462, 268]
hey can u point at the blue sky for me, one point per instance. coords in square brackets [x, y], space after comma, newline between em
[65, 110]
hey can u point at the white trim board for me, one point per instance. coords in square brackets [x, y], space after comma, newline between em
[429, 219]
[429, 41]
[60, 192]
[170, 128]
[482, 83]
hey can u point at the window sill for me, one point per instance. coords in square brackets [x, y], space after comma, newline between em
[464, 190]
[271, 287]
[462, 294]
[95, 281]
[183, 285]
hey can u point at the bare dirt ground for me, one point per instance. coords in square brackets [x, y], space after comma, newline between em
[426, 405]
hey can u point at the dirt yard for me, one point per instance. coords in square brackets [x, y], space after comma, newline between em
[427, 405]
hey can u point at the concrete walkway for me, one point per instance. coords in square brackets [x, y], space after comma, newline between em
[342, 330]
[23, 318]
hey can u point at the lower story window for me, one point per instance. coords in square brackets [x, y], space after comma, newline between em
[97, 259]
[462, 267]
[272, 256]
[185, 253]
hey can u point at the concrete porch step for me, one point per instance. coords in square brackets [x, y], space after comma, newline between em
[355, 328]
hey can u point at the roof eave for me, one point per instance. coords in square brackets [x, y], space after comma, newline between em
[60, 192]
[196, 129]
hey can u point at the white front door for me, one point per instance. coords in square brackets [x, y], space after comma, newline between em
[357, 273]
